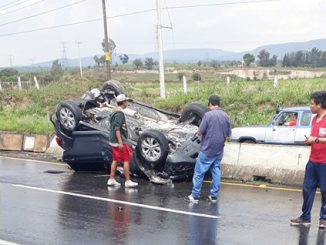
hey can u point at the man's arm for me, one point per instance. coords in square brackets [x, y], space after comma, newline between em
[312, 139]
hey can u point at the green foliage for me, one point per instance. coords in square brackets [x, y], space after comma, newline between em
[124, 58]
[313, 58]
[248, 59]
[7, 72]
[264, 59]
[56, 70]
[196, 76]
[138, 63]
[180, 76]
[149, 63]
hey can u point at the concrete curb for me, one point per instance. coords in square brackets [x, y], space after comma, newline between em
[24, 142]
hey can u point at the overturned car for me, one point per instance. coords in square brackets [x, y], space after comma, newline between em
[164, 144]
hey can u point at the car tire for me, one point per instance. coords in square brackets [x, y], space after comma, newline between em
[195, 111]
[152, 149]
[114, 86]
[69, 116]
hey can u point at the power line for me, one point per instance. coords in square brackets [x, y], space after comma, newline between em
[13, 11]
[14, 4]
[123, 15]
[42, 13]
[221, 4]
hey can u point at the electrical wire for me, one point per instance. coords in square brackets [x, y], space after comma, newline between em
[13, 11]
[14, 4]
[42, 13]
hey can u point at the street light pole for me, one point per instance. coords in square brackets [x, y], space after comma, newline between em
[160, 49]
[106, 40]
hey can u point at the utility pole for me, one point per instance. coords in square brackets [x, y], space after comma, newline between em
[80, 64]
[160, 49]
[64, 54]
[106, 40]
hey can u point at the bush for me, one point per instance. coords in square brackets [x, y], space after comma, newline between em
[196, 76]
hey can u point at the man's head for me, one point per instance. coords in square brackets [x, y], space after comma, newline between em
[214, 100]
[318, 101]
[122, 100]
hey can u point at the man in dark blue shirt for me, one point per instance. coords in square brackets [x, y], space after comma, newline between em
[214, 129]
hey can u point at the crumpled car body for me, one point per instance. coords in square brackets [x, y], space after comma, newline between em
[164, 144]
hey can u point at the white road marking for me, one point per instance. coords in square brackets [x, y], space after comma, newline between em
[120, 202]
[3, 242]
[32, 160]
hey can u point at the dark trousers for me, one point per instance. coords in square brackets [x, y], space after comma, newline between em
[315, 175]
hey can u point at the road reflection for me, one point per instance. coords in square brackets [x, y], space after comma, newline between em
[203, 230]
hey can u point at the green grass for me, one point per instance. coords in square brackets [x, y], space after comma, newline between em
[247, 102]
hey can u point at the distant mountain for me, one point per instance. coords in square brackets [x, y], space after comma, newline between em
[202, 54]
[280, 49]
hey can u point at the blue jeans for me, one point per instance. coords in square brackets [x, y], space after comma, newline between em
[203, 164]
[315, 175]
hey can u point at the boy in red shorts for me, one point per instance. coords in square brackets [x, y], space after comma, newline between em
[118, 141]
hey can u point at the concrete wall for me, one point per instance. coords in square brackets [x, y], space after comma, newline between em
[279, 164]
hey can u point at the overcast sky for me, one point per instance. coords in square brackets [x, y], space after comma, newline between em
[215, 24]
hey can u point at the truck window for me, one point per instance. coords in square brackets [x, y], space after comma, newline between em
[305, 118]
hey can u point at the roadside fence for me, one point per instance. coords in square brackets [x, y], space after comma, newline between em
[23, 84]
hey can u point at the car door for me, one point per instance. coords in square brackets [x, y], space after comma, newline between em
[303, 127]
[278, 132]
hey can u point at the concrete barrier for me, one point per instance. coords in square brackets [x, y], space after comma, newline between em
[22, 142]
[279, 164]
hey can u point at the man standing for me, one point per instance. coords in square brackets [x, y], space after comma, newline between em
[315, 174]
[213, 130]
[118, 141]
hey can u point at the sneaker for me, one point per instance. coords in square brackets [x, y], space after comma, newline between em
[300, 221]
[113, 182]
[322, 224]
[130, 184]
[192, 199]
[212, 199]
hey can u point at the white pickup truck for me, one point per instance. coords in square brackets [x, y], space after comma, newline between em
[277, 131]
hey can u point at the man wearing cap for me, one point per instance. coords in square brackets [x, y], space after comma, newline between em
[118, 141]
[214, 128]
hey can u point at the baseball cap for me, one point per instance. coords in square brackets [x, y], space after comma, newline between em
[121, 98]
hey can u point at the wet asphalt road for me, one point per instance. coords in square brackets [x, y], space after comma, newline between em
[46, 203]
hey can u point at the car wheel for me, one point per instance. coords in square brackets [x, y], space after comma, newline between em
[152, 149]
[114, 86]
[69, 115]
[193, 112]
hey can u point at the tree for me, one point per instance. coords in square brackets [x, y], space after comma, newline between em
[263, 58]
[248, 59]
[56, 70]
[180, 76]
[273, 61]
[196, 76]
[138, 63]
[97, 60]
[124, 58]
[199, 63]
[149, 63]
[7, 72]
